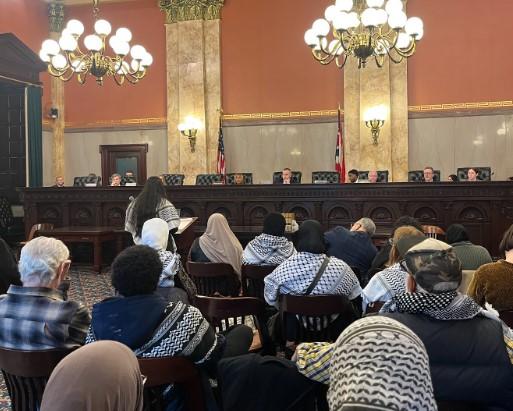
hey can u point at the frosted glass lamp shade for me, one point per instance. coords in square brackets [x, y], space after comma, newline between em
[138, 52]
[50, 47]
[75, 27]
[147, 60]
[124, 34]
[68, 43]
[321, 27]
[59, 61]
[310, 38]
[93, 43]
[102, 27]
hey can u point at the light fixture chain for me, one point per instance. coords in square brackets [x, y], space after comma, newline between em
[96, 9]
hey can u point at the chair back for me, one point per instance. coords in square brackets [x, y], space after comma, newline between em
[252, 278]
[382, 176]
[433, 231]
[483, 173]
[417, 176]
[83, 180]
[222, 313]
[39, 227]
[173, 179]
[507, 317]
[315, 313]
[248, 178]
[171, 370]
[211, 278]
[330, 177]
[26, 374]
[295, 179]
[208, 179]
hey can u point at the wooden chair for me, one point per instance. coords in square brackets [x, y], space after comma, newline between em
[507, 317]
[33, 231]
[467, 276]
[373, 308]
[171, 370]
[222, 313]
[314, 313]
[252, 278]
[433, 231]
[212, 278]
[26, 374]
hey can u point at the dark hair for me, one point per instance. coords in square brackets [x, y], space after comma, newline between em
[274, 224]
[353, 171]
[286, 168]
[473, 168]
[310, 238]
[146, 203]
[429, 168]
[453, 178]
[136, 271]
[456, 233]
[404, 221]
[507, 241]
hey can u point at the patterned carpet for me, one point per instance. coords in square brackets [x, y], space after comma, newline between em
[86, 286]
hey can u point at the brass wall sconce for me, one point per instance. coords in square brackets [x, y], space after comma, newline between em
[375, 119]
[189, 129]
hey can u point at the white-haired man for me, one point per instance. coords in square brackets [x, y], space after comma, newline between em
[36, 316]
[353, 246]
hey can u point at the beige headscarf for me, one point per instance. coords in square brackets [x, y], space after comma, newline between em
[220, 244]
[100, 376]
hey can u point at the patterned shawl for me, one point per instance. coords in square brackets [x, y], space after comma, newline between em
[393, 279]
[267, 250]
[380, 364]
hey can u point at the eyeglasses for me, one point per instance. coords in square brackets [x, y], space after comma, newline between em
[404, 266]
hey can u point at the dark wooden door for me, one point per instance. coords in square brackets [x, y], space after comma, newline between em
[12, 140]
[120, 158]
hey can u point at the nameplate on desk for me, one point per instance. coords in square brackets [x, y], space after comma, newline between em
[90, 185]
[321, 182]
[130, 184]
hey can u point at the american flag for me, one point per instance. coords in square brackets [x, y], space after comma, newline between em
[340, 160]
[221, 161]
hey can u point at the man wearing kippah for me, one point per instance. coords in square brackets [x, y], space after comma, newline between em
[470, 350]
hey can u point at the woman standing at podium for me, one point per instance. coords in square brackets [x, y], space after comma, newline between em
[151, 203]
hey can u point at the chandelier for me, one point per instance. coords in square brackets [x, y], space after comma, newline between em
[364, 29]
[65, 59]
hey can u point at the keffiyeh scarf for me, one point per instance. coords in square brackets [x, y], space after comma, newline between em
[267, 250]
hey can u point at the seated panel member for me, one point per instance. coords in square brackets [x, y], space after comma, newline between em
[472, 174]
[115, 180]
[286, 176]
[429, 174]
[352, 175]
[238, 179]
[373, 176]
[59, 182]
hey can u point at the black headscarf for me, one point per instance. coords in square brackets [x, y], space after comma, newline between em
[456, 233]
[274, 224]
[310, 238]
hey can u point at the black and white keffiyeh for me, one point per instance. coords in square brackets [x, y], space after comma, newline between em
[380, 364]
[393, 279]
[267, 250]
[444, 306]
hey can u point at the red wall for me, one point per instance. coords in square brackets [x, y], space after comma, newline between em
[27, 20]
[266, 66]
[91, 103]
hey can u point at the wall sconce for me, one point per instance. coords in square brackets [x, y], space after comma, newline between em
[375, 119]
[54, 113]
[189, 129]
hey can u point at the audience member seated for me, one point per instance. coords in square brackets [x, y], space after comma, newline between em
[383, 255]
[353, 246]
[155, 234]
[59, 182]
[453, 178]
[115, 180]
[363, 377]
[295, 274]
[129, 177]
[153, 327]
[493, 283]
[218, 244]
[472, 174]
[392, 280]
[471, 256]
[9, 274]
[352, 176]
[373, 176]
[429, 173]
[101, 376]
[150, 203]
[35, 316]
[469, 349]
[271, 247]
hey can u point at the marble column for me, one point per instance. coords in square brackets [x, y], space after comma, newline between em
[193, 82]
[56, 19]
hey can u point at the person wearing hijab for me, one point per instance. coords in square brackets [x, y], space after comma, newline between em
[101, 376]
[9, 274]
[218, 244]
[155, 235]
[392, 280]
[150, 203]
[471, 256]
[271, 247]
[363, 378]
